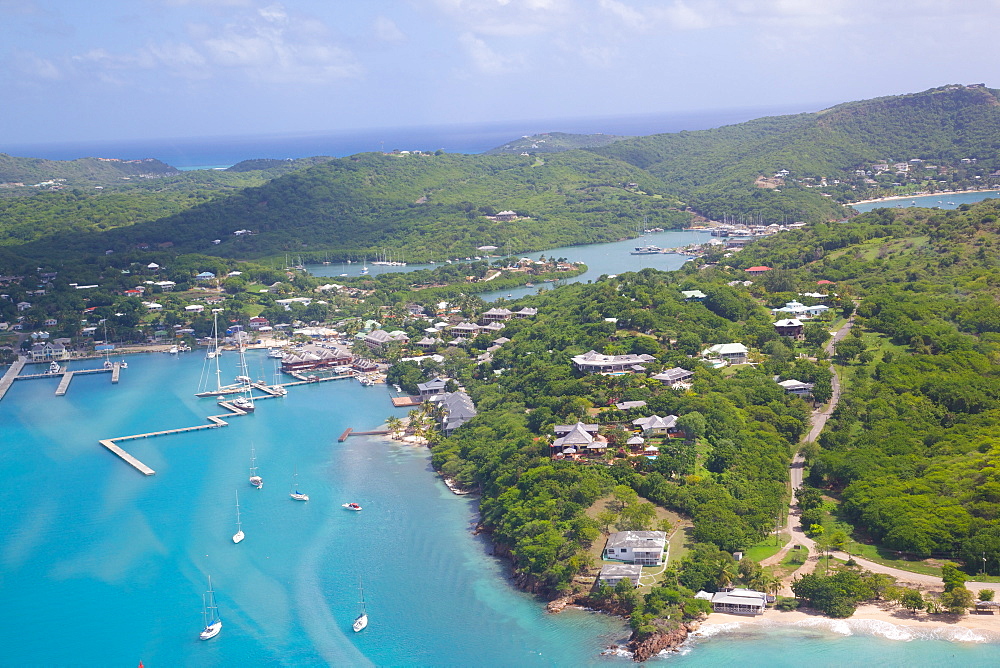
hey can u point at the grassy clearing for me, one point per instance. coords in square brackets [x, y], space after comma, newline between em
[766, 548]
[791, 563]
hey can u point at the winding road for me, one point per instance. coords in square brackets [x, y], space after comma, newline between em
[794, 529]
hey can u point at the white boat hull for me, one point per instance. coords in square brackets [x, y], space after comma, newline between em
[238, 537]
[211, 630]
[299, 497]
[360, 623]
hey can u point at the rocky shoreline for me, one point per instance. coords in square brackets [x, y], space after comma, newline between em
[641, 648]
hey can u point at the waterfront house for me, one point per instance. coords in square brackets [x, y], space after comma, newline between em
[791, 327]
[730, 353]
[379, 339]
[612, 574]
[739, 602]
[458, 409]
[654, 425]
[595, 362]
[674, 377]
[432, 387]
[314, 357]
[257, 322]
[645, 548]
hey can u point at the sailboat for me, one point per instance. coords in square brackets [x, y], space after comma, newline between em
[255, 479]
[295, 493]
[210, 611]
[245, 401]
[362, 620]
[239, 535]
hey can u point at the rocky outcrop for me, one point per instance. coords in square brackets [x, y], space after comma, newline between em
[560, 604]
[649, 646]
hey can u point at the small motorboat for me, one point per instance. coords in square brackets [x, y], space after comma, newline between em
[54, 367]
[351, 506]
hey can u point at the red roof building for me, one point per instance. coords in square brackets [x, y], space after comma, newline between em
[757, 271]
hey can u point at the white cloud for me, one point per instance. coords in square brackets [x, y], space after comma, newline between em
[36, 67]
[266, 43]
[485, 59]
[387, 30]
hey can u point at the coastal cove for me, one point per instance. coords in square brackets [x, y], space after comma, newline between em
[120, 560]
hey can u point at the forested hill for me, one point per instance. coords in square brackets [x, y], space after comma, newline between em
[426, 206]
[912, 450]
[553, 142]
[719, 171]
[84, 171]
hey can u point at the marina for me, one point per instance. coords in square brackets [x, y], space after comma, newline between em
[65, 376]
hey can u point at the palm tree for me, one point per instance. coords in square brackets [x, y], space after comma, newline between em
[725, 572]
[395, 425]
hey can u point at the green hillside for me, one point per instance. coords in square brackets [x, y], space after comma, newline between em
[911, 452]
[717, 171]
[553, 142]
[85, 171]
[426, 206]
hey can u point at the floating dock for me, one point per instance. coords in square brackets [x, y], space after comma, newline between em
[14, 373]
[403, 402]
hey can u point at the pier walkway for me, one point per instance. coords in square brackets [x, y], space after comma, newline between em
[214, 422]
[64, 383]
[11, 375]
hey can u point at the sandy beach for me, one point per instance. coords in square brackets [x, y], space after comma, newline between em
[891, 622]
[899, 197]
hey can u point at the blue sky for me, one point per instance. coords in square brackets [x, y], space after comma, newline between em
[72, 70]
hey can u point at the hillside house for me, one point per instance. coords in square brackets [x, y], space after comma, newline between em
[797, 387]
[572, 439]
[644, 548]
[730, 353]
[629, 405]
[497, 315]
[696, 295]
[466, 330]
[654, 425]
[757, 271]
[379, 339]
[432, 387]
[790, 327]
[458, 409]
[595, 362]
[674, 377]
[796, 309]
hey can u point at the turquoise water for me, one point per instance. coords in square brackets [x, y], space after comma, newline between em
[604, 258]
[101, 566]
[951, 201]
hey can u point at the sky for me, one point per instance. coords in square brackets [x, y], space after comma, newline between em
[72, 70]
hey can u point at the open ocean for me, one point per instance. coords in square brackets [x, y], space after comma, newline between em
[101, 566]
[216, 152]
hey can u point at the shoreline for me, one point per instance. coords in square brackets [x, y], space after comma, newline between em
[890, 622]
[893, 198]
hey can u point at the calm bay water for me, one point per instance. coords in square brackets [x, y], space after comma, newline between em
[601, 259]
[941, 201]
[102, 566]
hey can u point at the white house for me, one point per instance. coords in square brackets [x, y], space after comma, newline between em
[731, 353]
[636, 547]
[612, 574]
[655, 425]
[739, 602]
[194, 308]
[595, 362]
[797, 387]
[674, 376]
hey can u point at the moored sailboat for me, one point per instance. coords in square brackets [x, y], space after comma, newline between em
[361, 621]
[255, 479]
[210, 611]
[239, 535]
[295, 493]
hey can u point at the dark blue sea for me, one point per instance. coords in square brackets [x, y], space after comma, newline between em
[214, 152]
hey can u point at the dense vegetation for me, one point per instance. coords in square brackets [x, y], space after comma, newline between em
[912, 448]
[716, 170]
[428, 206]
[553, 142]
[85, 171]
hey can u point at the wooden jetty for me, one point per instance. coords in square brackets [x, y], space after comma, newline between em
[377, 432]
[14, 373]
[343, 437]
[403, 402]
[116, 370]
[142, 468]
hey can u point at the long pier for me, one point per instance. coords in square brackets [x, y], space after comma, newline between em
[12, 373]
[64, 383]
[214, 422]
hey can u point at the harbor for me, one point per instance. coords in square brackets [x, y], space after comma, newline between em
[55, 371]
